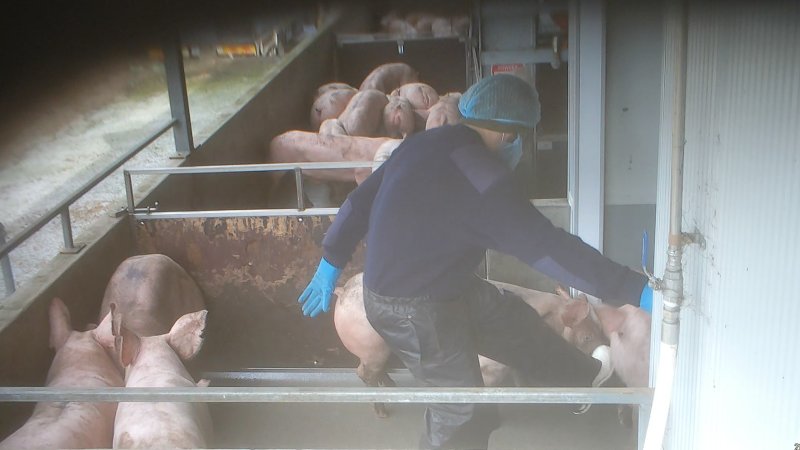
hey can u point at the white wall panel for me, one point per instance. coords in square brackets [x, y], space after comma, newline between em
[738, 379]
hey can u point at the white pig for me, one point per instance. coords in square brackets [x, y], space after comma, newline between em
[81, 361]
[151, 292]
[155, 361]
[628, 332]
[388, 77]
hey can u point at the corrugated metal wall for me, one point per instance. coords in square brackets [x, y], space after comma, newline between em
[738, 376]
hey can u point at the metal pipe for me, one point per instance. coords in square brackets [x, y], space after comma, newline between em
[66, 230]
[178, 99]
[56, 210]
[238, 168]
[558, 395]
[298, 179]
[221, 214]
[5, 263]
[126, 175]
[672, 291]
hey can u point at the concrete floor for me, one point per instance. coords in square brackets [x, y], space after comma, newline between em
[355, 426]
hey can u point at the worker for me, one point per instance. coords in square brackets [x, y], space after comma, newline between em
[429, 214]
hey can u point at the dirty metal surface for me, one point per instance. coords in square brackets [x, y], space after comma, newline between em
[252, 271]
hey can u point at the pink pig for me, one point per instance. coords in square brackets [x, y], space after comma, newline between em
[80, 362]
[388, 77]
[155, 361]
[628, 331]
[363, 115]
[151, 292]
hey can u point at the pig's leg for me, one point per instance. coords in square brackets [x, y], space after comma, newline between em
[374, 376]
[318, 193]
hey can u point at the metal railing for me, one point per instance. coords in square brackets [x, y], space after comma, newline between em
[181, 125]
[151, 213]
[558, 395]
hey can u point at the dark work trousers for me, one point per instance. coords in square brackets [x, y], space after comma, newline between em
[439, 342]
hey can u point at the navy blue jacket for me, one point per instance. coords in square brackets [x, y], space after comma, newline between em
[430, 212]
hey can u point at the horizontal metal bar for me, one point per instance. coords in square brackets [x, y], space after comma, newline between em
[332, 395]
[56, 210]
[219, 214]
[303, 377]
[345, 39]
[237, 168]
[535, 56]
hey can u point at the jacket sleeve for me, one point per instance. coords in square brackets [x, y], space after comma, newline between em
[510, 224]
[351, 222]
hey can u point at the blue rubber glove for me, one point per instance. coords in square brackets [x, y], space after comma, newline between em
[646, 299]
[317, 296]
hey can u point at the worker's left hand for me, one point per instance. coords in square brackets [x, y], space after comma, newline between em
[316, 298]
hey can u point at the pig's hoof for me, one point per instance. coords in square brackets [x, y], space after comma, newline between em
[625, 415]
[380, 411]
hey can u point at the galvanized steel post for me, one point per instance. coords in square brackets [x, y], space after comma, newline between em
[178, 99]
[5, 263]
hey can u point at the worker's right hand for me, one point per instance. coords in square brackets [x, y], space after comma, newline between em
[646, 299]
[317, 296]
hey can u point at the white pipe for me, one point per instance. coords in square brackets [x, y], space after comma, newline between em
[661, 399]
[672, 283]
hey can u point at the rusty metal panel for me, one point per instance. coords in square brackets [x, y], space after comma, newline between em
[252, 271]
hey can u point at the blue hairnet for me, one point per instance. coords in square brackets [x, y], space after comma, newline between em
[501, 102]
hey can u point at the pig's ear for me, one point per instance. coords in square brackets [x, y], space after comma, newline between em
[103, 334]
[574, 312]
[563, 292]
[127, 344]
[60, 326]
[186, 336]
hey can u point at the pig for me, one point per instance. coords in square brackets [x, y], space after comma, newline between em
[303, 146]
[330, 105]
[151, 292]
[332, 126]
[444, 112]
[360, 339]
[384, 152]
[388, 77]
[628, 330]
[573, 319]
[398, 117]
[363, 115]
[332, 87]
[422, 96]
[156, 361]
[81, 361]
[450, 26]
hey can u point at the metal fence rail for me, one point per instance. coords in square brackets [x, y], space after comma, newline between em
[560, 395]
[180, 122]
[62, 208]
[151, 213]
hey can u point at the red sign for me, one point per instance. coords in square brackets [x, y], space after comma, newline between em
[501, 68]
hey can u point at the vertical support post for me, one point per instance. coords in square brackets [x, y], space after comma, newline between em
[66, 228]
[178, 99]
[298, 178]
[587, 119]
[129, 190]
[5, 264]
